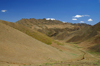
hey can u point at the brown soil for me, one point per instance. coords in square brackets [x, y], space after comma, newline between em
[17, 47]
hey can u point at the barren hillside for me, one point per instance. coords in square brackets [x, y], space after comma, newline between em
[23, 45]
[52, 28]
[17, 47]
[67, 32]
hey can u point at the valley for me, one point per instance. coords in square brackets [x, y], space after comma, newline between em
[41, 42]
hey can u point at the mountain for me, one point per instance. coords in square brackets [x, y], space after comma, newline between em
[33, 33]
[40, 43]
[18, 47]
[97, 26]
[67, 32]
[82, 35]
[96, 39]
[53, 28]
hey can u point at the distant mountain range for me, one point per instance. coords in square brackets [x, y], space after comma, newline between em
[40, 40]
[67, 32]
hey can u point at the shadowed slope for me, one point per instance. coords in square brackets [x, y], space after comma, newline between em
[17, 47]
[52, 28]
[96, 39]
[66, 32]
[97, 26]
[82, 35]
[44, 26]
[93, 42]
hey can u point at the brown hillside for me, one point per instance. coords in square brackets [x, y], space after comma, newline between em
[38, 23]
[51, 28]
[82, 35]
[33, 33]
[17, 47]
[43, 25]
[97, 26]
[66, 32]
[93, 42]
[96, 39]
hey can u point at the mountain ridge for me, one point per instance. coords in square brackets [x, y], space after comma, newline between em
[67, 32]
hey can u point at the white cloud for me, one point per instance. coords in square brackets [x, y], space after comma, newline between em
[47, 18]
[74, 19]
[87, 15]
[64, 22]
[81, 21]
[3, 10]
[90, 20]
[50, 19]
[78, 16]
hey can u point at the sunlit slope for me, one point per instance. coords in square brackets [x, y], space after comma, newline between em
[17, 47]
[33, 33]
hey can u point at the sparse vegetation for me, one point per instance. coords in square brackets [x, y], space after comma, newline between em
[76, 46]
[98, 61]
[33, 33]
[68, 64]
[94, 52]
[79, 33]
[58, 43]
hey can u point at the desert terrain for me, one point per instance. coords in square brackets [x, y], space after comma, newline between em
[41, 42]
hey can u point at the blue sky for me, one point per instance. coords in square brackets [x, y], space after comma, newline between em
[74, 11]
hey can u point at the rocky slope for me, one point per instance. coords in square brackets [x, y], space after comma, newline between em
[66, 32]
[52, 28]
[18, 47]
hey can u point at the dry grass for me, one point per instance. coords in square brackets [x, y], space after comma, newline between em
[33, 33]
[17, 47]
[21, 46]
